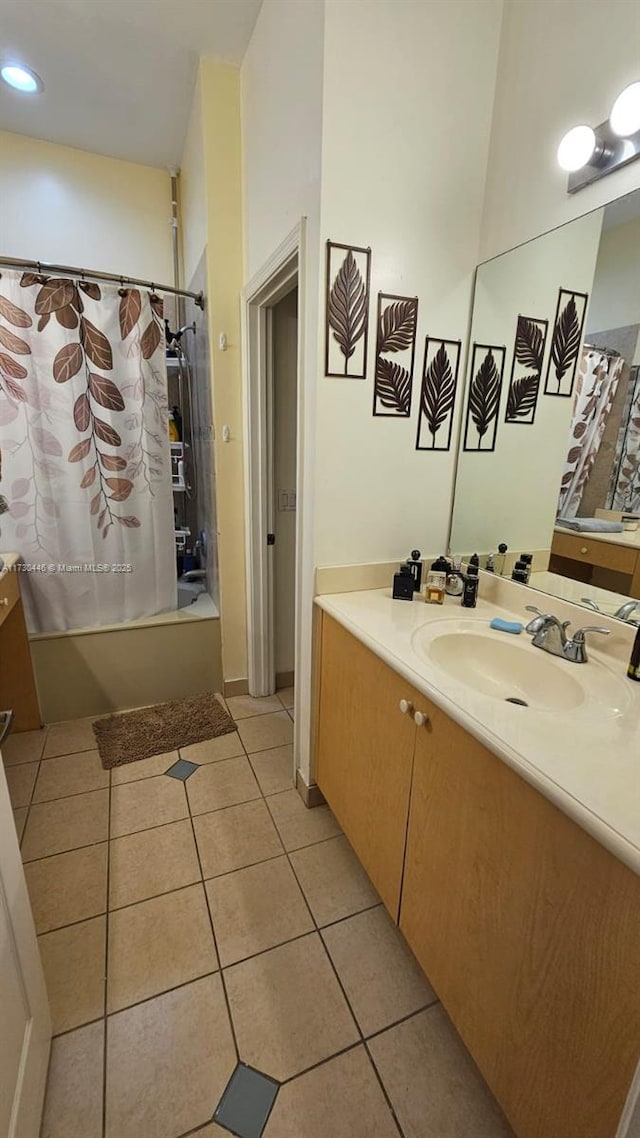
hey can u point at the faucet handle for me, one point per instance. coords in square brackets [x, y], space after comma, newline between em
[580, 632]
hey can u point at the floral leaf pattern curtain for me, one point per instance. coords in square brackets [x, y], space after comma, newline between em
[596, 386]
[85, 475]
[624, 493]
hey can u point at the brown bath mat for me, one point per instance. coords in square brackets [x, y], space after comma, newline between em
[160, 729]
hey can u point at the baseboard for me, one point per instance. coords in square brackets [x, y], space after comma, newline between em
[235, 687]
[310, 795]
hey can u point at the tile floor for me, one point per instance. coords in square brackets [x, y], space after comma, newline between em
[190, 926]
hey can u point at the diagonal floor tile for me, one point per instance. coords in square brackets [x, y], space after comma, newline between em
[143, 768]
[70, 774]
[257, 908]
[333, 881]
[158, 944]
[245, 706]
[378, 971]
[341, 1098]
[247, 1101]
[432, 1081]
[73, 1103]
[20, 783]
[168, 1062]
[216, 785]
[213, 750]
[286, 697]
[23, 747]
[238, 836]
[68, 887]
[69, 736]
[150, 802]
[297, 824]
[287, 1008]
[73, 962]
[20, 817]
[274, 769]
[261, 732]
[151, 862]
[66, 824]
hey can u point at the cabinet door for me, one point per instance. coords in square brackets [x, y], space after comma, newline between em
[529, 932]
[365, 755]
[25, 1028]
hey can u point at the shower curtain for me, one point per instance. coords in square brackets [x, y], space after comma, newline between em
[624, 493]
[596, 386]
[85, 469]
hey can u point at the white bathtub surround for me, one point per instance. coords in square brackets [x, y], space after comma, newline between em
[85, 495]
[583, 758]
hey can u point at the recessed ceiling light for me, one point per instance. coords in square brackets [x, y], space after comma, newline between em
[21, 78]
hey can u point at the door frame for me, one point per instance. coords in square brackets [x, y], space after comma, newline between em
[283, 271]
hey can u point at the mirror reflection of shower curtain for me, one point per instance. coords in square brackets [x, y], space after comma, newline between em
[624, 492]
[596, 386]
[85, 475]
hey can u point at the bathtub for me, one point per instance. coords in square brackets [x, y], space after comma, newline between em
[92, 671]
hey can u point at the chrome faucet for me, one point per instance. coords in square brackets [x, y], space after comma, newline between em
[551, 635]
[623, 613]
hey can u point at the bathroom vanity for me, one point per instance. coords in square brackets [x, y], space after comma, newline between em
[17, 683]
[504, 840]
[607, 560]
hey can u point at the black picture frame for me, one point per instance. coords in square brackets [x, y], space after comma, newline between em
[566, 342]
[483, 396]
[347, 296]
[529, 346]
[438, 392]
[396, 329]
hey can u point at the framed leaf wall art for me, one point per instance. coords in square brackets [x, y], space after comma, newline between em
[347, 310]
[483, 400]
[565, 342]
[438, 393]
[526, 370]
[395, 354]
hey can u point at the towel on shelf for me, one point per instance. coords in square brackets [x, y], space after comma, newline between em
[590, 525]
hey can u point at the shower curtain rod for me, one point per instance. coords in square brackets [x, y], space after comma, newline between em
[92, 274]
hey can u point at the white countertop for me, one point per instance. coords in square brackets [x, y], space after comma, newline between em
[570, 590]
[587, 764]
[629, 538]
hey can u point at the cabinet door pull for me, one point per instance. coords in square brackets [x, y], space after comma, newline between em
[584, 549]
[421, 720]
[405, 706]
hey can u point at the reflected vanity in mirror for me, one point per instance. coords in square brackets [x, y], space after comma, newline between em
[549, 458]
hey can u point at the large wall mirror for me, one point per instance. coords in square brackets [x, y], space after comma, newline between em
[549, 459]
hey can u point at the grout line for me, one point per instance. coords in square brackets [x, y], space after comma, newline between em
[348, 1003]
[106, 972]
[213, 934]
[163, 992]
[264, 951]
[403, 1019]
[33, 790]
[322, 1063]
[78, 1027]
[101, 841]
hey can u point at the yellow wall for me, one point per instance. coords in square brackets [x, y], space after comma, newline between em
[72, 207]
[211, 178]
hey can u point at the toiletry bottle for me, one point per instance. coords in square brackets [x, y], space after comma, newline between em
[436, 581]
[455, 579]
[633, 671]
[174, 437]
[403, 584]
[470, 593]
[502, 550]
[490, 567]
[415, 566]
[474, 560]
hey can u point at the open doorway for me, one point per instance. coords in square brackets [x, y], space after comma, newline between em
[273, 306]
[282, 440]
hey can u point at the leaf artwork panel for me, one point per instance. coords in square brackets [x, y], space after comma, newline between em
[565, 342]
[347, 310]
[396, 325]
[483, 401]
[438, 393]
[526, 370]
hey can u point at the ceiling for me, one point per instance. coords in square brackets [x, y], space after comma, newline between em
[118, 74]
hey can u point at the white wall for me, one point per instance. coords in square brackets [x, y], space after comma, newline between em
[615, 302]
[408, 96]
[193, 191]
[511, 494]
[562, 62]
[71, 207]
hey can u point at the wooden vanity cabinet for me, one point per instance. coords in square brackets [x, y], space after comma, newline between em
[528, 929]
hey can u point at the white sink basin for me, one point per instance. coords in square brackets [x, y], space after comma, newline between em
[511, 669]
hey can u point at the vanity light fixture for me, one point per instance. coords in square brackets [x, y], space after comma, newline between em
[21, 78]
[589, 153]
